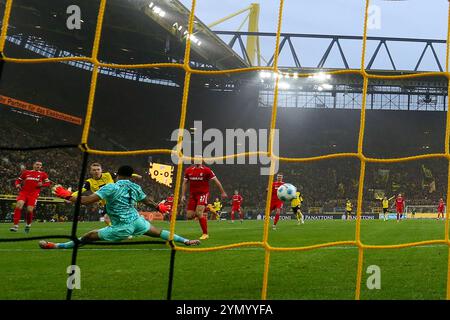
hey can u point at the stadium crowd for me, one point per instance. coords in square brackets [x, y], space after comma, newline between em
[322, 185]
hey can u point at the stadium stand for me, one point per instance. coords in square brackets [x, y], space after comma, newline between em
[325, 184]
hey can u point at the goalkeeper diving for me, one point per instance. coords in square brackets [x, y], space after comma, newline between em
[121, 198]
[97, 180]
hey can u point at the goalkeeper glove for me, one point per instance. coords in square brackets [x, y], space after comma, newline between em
[60, 192]
[162, 208]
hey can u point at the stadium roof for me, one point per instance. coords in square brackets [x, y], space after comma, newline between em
[133, 32]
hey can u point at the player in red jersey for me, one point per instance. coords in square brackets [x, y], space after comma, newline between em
[400, 206]
[275, 203]
[236, 202]
[29, 186]
[168, 202]
[198, 177]
[441, 208]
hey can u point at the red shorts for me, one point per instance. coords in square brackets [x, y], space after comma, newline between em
[197, 199]
[399, 209]
[30, 199]
[276, 204]
[236, 208]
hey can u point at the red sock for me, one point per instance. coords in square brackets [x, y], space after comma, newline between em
[232, 215]
[204, 224]
[17, 213]
[29, 217]
[277, 217]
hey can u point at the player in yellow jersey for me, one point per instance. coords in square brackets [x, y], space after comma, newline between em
[98, 180]
[296, 203]
[348, 209]
[217, 205]
[385, 205]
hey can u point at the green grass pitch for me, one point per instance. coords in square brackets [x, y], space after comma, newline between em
[141, 271]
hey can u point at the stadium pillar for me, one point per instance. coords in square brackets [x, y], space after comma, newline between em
[252, 41]
[252, 46]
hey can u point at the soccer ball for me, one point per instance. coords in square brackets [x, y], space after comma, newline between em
[286, 192]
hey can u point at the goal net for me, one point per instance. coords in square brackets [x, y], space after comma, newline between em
[95, 121]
